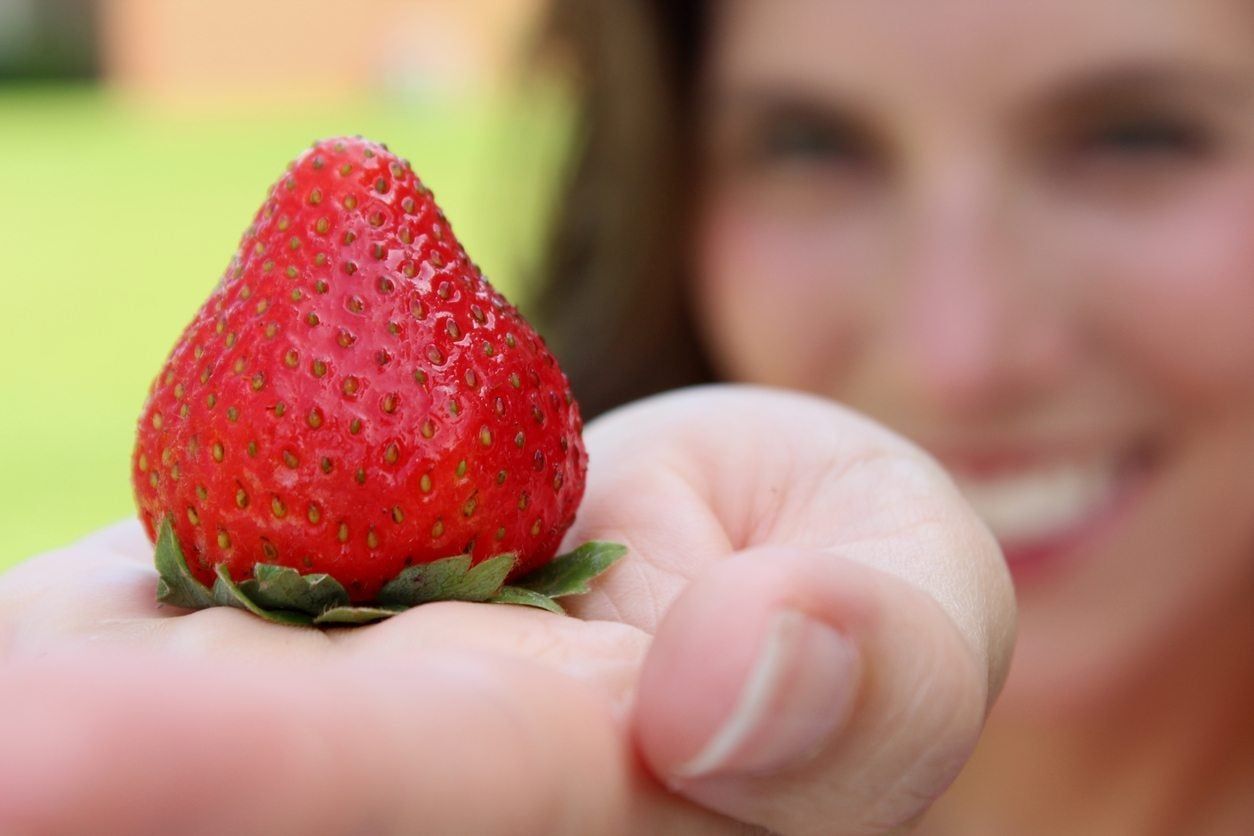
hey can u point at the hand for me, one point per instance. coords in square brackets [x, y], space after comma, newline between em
[776, 540]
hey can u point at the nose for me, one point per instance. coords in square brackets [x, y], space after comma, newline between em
[975, 327]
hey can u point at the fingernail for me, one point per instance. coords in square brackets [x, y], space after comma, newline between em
[799, 691]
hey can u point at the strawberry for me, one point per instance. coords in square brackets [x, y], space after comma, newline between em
[354, 399]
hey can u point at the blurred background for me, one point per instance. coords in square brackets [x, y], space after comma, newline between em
[138, 137]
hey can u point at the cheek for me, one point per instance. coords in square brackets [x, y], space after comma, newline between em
[1178, 295]
[777, 297]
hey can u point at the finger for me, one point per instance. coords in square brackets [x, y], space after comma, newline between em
[686, 478]
[90, 583]
[604, 654]
[91, 591]
[812, 694]
[125, 538]
[443, 744]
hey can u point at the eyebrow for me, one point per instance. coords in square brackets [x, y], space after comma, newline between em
[856, 124]
[1077, 93]
[831, 108]
[1153, 81]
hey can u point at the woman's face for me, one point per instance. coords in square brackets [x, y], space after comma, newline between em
[1021, 234]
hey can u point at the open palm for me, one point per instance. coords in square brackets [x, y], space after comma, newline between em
[746, 512]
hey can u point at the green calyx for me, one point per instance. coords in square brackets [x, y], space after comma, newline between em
[284, 596]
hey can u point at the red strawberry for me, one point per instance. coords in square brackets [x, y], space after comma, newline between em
[354, 398]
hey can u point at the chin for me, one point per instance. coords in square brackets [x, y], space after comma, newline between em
[1109, 647]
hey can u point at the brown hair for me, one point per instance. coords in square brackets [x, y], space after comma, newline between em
[615, 303]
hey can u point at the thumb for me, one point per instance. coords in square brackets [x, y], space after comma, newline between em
[813, 694]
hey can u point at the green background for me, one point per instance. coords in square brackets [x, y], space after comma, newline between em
[117, 220]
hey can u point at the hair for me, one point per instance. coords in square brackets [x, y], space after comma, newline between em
[615, 300]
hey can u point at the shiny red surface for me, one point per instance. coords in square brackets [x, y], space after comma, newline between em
[350, 305]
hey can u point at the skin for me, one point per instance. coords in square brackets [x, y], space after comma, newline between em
[1047, 259]
[122, 716]
[982, 278]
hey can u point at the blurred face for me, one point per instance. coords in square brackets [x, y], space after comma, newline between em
[1022, 234]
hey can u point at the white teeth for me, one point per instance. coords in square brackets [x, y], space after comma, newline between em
[1032, 505]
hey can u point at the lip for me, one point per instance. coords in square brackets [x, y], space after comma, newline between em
[967, 462]
[1032, 560]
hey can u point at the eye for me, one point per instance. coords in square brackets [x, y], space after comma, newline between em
[810, 141]
[1144, 137]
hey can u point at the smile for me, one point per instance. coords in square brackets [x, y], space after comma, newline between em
[1042, 513]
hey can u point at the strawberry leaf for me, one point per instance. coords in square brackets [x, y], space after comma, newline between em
[283, 588]
[449, 579]
[356, 615]
[283, 595]
[526, 598]
[227, 594]
[177, 585]
[569, 574]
